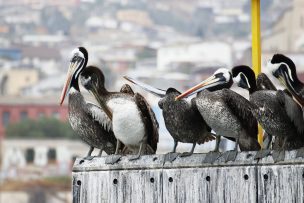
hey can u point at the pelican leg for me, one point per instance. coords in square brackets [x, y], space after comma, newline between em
[185, 154]
[124, 150]
[279, 155]
[212, 156]
[139, 152]
[264, 152]
[89, 157]
[114, 158]
[171, 156]
[118, 144]
[231, 155]
[100, 152]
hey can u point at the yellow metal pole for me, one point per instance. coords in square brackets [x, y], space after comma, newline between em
[256, 46]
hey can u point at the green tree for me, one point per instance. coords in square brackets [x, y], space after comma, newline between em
[42, 128]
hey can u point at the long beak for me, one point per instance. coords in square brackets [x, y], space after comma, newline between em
[197, 88]
[67, 84]
[157, 92]
[101, 103]
[281, 79]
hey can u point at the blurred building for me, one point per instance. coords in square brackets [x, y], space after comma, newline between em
[34, 158]
[138, 17]
[287, 33]
[13, 110]
[204, 53]
[13, 81]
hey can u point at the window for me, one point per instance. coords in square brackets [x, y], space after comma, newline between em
[52, 155]
[23, 115]
[6, 118]
[29, 155]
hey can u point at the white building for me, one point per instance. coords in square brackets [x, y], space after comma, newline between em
[208, 53]
[33, 158]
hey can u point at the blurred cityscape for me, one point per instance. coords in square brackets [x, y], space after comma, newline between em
[164, 43]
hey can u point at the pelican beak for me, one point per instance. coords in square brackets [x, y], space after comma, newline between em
[102, 104]
[67, 84]
[211, 81]
[156, 91]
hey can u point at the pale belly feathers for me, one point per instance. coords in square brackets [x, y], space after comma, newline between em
[127, 123]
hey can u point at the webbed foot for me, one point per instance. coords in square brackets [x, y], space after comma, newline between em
[185, 154]
[133, 158]
[171, 156]
[278, 155]
[112, 159]
[230, 155]
[211, 157]
[262, 153]
[89, 158]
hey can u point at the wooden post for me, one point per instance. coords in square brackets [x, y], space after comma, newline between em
[188, 179]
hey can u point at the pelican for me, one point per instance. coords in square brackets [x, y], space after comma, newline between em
[284, 69]
[88, 120]
[133, 121]
[225, 111]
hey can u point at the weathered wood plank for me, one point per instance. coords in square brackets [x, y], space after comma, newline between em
[189, 180]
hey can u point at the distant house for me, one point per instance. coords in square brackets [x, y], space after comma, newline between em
[287, 33]
[13, 81]
[10, 54]
[208, 53]
[34, 158]
[15, 109]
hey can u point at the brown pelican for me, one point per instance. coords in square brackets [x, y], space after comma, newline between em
[133, 121]
[225, 111]
[182, 119]
[284, 69]
[88, 120]
[276, 111]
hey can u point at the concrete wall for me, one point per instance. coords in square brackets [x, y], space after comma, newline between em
[189, 180]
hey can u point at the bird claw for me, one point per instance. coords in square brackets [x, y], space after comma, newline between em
[300, 153]
[112, 159]
[133, 158]
[262, 153]
[88, 158]
[185, 154]
[278, 155]
[230, 155]
[171, 156]
[211, 157]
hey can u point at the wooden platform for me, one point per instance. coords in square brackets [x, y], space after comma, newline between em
[189, 180]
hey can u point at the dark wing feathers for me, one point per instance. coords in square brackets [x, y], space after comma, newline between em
[264, 83]
[241, 108]
[150, 121]
[127, 89]
[292, 109]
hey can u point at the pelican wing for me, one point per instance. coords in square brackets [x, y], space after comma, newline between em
[264, 83]
[292, 109]
[127, 89]
[99, 115]
[241, 108]
[149, 120]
